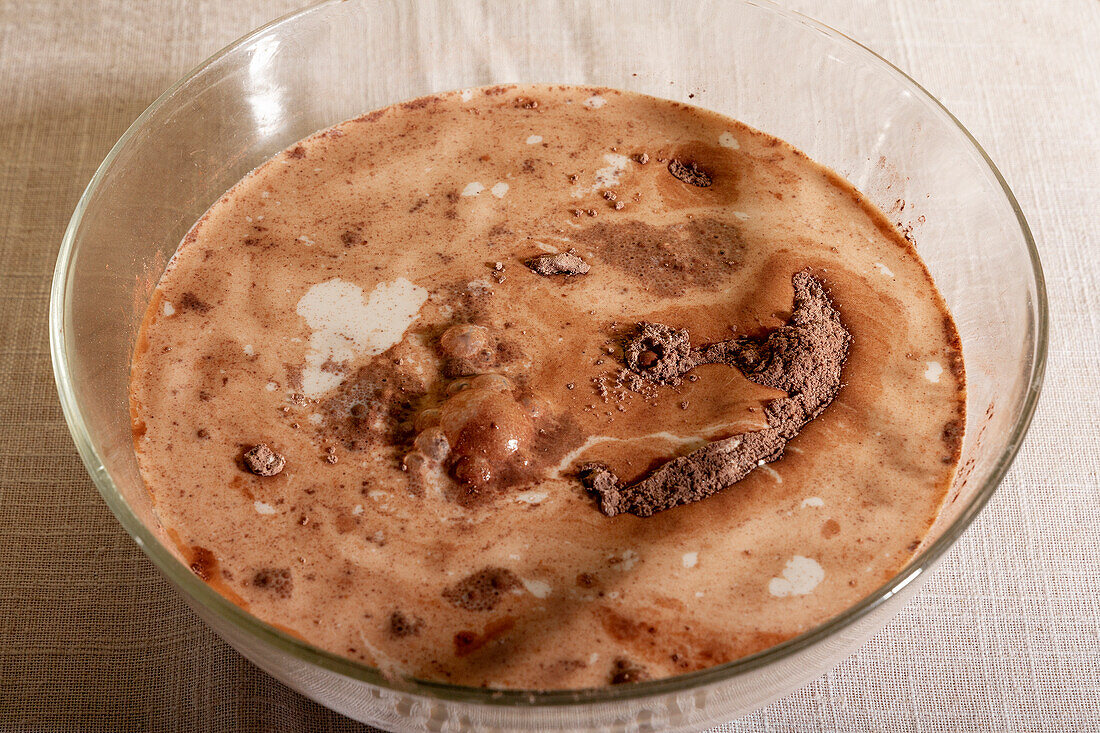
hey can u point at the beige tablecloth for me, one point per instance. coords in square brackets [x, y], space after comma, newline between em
[1006, 636]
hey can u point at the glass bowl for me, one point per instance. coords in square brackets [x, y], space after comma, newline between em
[771, 68]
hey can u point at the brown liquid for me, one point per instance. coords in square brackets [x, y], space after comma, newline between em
[308, 310]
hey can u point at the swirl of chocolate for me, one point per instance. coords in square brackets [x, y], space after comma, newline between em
[804, 358]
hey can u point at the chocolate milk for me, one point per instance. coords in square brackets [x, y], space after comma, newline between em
[370, 378]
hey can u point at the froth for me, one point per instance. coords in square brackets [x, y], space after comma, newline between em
[727, 140]
[345, 326]
[800, 576]
[608, 176]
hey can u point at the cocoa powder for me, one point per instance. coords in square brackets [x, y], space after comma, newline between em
[803, 358]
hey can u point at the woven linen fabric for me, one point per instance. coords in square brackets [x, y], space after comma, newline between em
[1005, 636]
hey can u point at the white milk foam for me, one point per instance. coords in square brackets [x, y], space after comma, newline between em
[345, 325]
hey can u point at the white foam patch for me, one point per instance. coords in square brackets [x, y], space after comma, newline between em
[263, 508]
[630, 559]
[727, 140]
[306, 241]
[473, 189]
[741, 215]
[884, 269]
[606, 177]
[479, 286]
[346, 325]
[933, 372]
[248, 350]
[499, 189]
[271, 386]
[772, 472]
[385, 663]
[534, 139]
[532, 497]
[536, 588]
[595, 102]
[611, 175]
[466, 94]
[679, 441]
[813, 501]
[800, 576]
[548, 248]
[690, 559]
[167, 309]
[357, 510]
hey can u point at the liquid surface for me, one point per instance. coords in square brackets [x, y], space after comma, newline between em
[361, 305]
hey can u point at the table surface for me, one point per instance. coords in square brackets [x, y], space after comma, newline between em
[1005, 636]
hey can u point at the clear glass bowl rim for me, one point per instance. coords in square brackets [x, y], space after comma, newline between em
[217, 604]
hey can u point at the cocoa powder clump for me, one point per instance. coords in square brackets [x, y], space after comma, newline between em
[804, 358]
[563, 263]
[658, 353]
[689, 173]
[263, 461]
